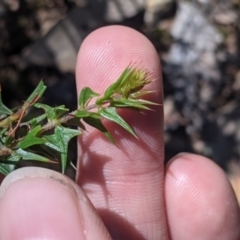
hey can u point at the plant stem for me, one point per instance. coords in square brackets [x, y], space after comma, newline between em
[50, 125]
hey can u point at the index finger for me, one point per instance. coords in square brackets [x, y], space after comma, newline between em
[125, 184]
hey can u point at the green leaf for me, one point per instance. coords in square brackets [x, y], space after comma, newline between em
[85, 96]
[145, 102]
[48, 110]
[59, 141]
[36, 94]
[2, 133]
[3, 109]
[129, 103]
[60, 110]
[111, 114]
[7, 140]
[132, 80]
[95, 121]
[112, 88]
[5, 169]
[51, 141]
[138, 94]
[8, 164]
[52, 113]
[31, 138]
[13, 158]
[35, 121]
[25, 155]
[82, 113]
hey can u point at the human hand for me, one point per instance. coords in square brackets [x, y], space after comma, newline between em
[133, 196]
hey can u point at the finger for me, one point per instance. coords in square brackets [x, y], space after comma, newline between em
[199, 200]
[125, 183]
[37, 203]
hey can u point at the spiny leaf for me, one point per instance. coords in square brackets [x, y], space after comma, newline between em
[13, 158]
[85, 96]
[136, 95]
[60, 110]
[35, 121]
[59, 141]
[5, 169]
[134, 103]
[52, 113]
[49, 110]
[7, 140]
[145, 102]
[82, 113]
[111, 114]
[112, 88]
[128, 103]
[36, 94]
[132, 80]
[31, 138]
[2, 133]
[25, 155]
[95, 121]
[121, 94]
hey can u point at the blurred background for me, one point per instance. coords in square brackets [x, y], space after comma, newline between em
[198, 43]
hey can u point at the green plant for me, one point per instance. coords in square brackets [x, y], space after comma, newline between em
[45, 137]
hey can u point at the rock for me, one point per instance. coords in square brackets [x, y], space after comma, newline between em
[192, 66]
[155, 9]
[226, 17]
[59, 47]
[118, 10]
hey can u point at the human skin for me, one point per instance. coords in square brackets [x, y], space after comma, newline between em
[122, 192]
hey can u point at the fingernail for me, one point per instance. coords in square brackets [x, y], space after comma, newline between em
[37, 203]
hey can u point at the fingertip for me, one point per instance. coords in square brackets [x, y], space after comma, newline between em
[107, 51]
[200, 200]
[42, 204]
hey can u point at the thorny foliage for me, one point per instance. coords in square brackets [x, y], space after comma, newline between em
[45, 137]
